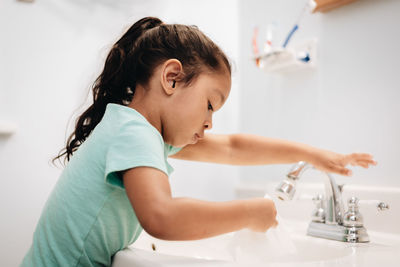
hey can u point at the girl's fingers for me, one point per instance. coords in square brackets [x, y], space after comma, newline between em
[362, 155]
[342, 170]
[360, 159]
[348, 172]
[366, 163]
[338, 165]
[363, 164]
[367, 158]
[355, 159]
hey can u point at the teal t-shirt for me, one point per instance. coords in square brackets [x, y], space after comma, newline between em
[88, 216]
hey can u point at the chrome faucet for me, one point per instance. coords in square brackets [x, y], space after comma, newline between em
[329, 219]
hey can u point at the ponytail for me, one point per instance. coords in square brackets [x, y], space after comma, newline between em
[114, 85]
[132, 60]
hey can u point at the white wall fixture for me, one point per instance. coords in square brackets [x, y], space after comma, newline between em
[280, 60]
[283, 58]
[7, 128]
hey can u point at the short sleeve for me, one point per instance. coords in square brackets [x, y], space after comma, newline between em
[135, 145]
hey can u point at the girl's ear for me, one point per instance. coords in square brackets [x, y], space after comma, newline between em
[170, 74]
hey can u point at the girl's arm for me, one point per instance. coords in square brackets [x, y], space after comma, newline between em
[165, 217]
[245, 149]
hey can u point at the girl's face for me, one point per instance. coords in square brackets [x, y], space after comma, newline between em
[193, 107]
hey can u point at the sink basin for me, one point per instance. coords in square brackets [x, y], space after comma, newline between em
[215, 251]
[382, 250]
[217, 248]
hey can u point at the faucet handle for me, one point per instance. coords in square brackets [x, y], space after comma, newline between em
[380, 205]
[353, 217]
[318, 215]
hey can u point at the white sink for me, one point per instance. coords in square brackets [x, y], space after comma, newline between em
[311, 251]
[382, 250]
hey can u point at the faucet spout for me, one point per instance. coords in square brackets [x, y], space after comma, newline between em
[333, 203]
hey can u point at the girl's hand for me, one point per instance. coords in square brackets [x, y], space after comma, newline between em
[336, 163]
[261, 214]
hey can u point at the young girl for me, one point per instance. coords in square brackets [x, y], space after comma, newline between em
[160, 86]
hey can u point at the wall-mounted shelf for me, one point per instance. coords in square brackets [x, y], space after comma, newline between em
[328, 5]
[7, 128]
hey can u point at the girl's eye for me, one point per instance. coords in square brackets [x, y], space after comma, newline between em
[210, 107]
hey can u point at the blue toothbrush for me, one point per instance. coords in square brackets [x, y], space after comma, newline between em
[310, 4]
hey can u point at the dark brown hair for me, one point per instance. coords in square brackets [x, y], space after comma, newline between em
[132, 60]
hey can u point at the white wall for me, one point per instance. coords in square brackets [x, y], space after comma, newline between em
[348, 104]
[50, 53]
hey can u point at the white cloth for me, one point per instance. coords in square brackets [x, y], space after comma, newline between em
[248, 246]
